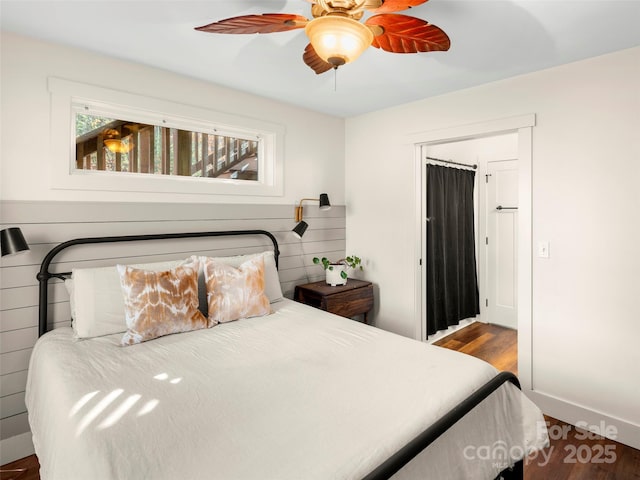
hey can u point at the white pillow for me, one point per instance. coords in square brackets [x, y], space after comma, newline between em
[97, 302]
[272, 287]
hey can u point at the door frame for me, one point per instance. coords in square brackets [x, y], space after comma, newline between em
[523, 125]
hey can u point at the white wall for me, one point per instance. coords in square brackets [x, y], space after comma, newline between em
[311, 163]
[585, 202]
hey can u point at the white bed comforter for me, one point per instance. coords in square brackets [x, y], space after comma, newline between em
[299, 394]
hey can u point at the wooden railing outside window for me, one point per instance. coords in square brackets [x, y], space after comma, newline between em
[121, 146]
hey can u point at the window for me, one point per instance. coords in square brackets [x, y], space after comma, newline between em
[114, 145]
[159, 146]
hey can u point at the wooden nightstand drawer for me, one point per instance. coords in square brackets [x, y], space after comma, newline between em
[350, 303]
[354, 298]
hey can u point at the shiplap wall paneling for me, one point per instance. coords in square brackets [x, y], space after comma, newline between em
[47, 224]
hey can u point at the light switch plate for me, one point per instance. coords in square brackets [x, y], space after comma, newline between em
[543, 249]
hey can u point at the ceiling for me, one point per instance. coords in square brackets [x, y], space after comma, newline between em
[490, 40]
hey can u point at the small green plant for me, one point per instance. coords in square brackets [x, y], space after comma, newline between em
[350, 261]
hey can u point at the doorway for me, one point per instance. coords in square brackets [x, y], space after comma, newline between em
[522, 127]
[496, 223]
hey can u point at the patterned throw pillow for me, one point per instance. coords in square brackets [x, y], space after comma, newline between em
[234, 293]
[160, 303]
[97, 303]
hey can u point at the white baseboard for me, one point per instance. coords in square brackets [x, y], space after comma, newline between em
[617, 429]
[15, 448]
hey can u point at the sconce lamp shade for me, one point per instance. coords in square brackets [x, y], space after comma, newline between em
[300, 228]
[324, 202]
[13, 241]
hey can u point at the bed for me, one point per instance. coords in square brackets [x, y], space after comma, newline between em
[297, 393]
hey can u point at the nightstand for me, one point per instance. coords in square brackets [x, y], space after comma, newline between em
[354, 298]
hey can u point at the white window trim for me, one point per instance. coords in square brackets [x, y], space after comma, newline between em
[67, 95]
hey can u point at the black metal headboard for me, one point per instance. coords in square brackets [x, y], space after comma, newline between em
[45, 275]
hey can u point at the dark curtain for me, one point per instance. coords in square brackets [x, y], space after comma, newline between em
[452, 283]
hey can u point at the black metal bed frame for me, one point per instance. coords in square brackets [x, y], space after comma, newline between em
[390, 466]
[403, 456]
[44, 275]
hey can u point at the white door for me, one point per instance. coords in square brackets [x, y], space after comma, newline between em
[502, 243]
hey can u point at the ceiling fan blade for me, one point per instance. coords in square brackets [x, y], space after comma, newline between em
[389, 6]
[265, 23]
[312, 59]
[405, 34]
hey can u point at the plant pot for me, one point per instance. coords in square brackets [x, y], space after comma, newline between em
[333, 276]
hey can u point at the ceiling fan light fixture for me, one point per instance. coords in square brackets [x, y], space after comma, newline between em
[337, 39]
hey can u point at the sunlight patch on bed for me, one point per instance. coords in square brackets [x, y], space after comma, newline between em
[82, 402]
[119, 412]
[148, 407]
[97, 410]
[165, 376]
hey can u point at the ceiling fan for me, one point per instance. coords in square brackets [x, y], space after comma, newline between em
[336, 35]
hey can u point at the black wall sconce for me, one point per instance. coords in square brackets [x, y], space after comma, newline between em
[13, 241]
[302, 226]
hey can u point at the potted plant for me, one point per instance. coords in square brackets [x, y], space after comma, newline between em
[336, 272]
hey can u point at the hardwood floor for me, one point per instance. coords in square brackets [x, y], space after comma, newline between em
[493, 344]
[574, 454]
[571, 456]
[24, 469]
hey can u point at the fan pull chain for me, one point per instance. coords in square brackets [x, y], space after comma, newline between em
[335, 79]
